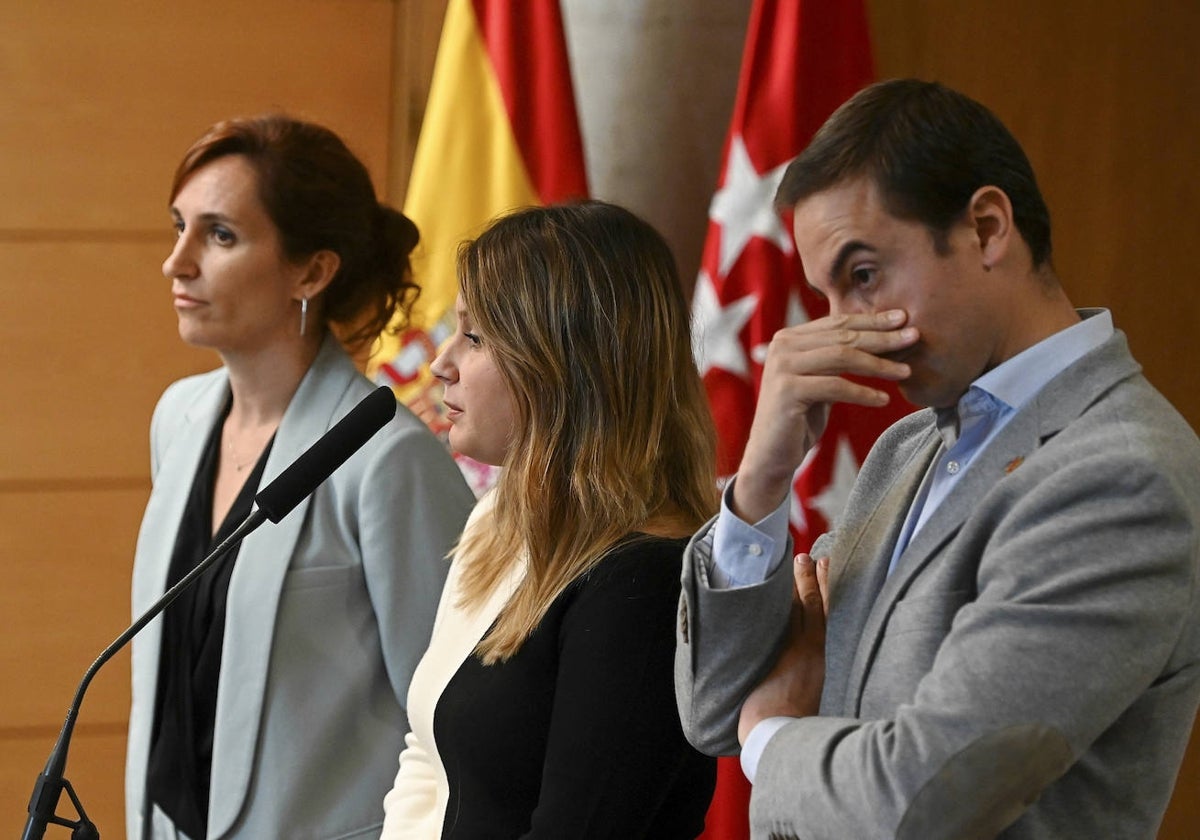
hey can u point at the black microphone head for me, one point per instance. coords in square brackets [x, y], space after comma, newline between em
[330, 451]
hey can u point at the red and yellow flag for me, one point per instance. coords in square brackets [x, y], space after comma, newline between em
[802, 59]
[500, 131]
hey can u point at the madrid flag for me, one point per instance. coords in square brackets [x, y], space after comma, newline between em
[500, 131]
[802, 59]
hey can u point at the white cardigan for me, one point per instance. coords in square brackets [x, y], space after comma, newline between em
[415, 807]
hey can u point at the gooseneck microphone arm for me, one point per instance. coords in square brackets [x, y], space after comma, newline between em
[273, 502]
[51, 783]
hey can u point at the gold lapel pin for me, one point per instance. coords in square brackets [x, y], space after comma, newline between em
[1014, 463]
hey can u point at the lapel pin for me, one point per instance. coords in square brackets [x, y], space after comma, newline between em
[1014, 463]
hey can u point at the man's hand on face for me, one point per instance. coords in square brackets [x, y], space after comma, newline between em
[803, 375]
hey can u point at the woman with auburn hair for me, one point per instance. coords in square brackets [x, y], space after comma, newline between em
[267, 699]
[545, 705]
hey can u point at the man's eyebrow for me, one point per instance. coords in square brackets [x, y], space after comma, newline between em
[843, 255]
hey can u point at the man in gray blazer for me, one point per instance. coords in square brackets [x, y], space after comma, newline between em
[1012, 596]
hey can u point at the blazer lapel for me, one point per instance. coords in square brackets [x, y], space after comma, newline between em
[1062, 400]
[854, 583]
[183, 437]
[172, 486]
[255, 588]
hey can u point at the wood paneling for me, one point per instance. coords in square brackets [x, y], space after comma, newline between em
[101, 99]
[96, 770]
[68, 557]
[91, 343]
[418, 30]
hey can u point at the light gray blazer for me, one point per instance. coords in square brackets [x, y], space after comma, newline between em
[328, 612]
[1031, 669]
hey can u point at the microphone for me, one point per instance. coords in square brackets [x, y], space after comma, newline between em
[278, 498]
[273, 502]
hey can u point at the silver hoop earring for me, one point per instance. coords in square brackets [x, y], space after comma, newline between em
[303, 314]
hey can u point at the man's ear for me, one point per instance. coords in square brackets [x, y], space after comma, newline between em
[318, 272]
[990, 213]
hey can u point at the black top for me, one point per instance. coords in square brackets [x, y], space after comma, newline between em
[177, 777]
[577, 735]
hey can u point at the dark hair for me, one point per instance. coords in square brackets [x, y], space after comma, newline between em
[320, 197]
[928, 149]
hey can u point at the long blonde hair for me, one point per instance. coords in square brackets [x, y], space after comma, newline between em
[581, 307]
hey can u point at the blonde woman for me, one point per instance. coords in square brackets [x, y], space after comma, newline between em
[544, 706]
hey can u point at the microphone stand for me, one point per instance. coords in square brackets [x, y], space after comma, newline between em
[51, 783]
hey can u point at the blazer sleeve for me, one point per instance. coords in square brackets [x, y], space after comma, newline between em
[413, 505]
[727, 641]
[1086, 586]
[615, 747]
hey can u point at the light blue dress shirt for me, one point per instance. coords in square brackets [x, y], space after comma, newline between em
[745, 554]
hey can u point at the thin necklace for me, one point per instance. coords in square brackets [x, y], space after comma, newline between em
[239, 464]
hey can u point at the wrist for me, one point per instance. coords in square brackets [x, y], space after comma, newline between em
[758, 493]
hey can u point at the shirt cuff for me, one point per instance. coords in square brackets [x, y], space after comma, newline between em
[745, 554]
[756, 743]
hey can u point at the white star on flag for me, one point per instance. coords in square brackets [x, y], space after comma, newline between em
[796, 315]
[744, 206]
[796, 515]
[832, 500]
[715, 328]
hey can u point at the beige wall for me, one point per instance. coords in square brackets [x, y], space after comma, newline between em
[97, 101]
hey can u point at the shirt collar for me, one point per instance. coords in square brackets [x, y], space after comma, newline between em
[1016, 381]
[1013, 383]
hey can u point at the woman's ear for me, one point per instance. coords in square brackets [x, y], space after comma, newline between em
[991, 215]
[318, 272]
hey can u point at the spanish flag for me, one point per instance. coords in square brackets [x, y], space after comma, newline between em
[500, 132]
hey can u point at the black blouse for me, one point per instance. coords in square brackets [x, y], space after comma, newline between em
[577, 734]
[181, 743]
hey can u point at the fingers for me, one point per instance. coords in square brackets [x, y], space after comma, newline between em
[793, 686]
[867, 330]
[823, 583]
[836, 345]
[804, 374]
[807, 365]
[810, 596]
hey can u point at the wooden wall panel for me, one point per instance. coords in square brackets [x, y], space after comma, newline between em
[96, 770]
[72, 591]
[67, 559]
[91, 344]
[102, 98]
[418, 30]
